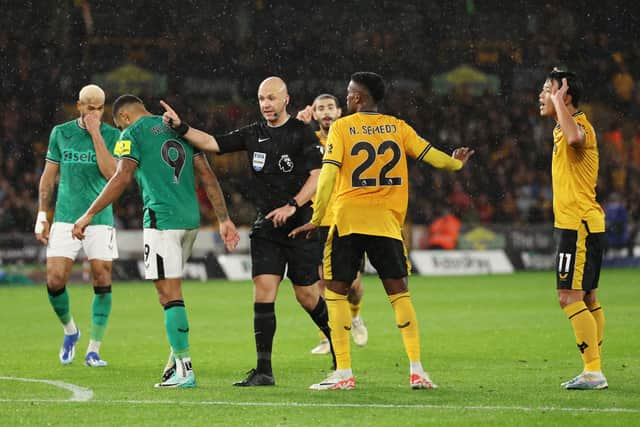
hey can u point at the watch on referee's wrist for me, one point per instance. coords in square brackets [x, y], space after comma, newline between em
[292, 202]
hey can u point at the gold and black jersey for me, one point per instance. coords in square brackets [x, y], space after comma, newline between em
[574, 172]
[371, 190]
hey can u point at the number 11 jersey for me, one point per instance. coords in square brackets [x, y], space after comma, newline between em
[372, 188]
[165, 174]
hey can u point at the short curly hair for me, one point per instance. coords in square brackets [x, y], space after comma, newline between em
[374, 83]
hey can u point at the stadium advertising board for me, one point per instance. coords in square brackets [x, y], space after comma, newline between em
[460, 262]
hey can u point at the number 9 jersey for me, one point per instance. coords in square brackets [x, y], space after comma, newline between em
[371, 191]
[165, 174]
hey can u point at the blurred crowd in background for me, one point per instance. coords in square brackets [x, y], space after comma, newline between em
[207, 59]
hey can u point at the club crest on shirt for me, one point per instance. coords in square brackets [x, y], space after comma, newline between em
[285, 163]
[258, 160]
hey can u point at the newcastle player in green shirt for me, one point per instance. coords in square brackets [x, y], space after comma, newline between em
[165, 166]
[80, 152]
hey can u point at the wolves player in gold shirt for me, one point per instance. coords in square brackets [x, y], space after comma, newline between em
[325, 110]
[579, 221]
[365, 160]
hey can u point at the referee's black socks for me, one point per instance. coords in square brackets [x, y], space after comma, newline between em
[264, 327]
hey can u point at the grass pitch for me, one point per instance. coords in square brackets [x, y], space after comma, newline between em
[498, 346]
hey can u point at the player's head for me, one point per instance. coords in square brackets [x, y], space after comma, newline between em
[273, 98]
[365, 90]
[554, 82]
[326, 110]
[126, 110]
[91, 100]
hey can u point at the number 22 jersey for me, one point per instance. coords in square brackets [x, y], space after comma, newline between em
[372, 189]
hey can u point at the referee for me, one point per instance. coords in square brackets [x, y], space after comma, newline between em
[285, 160]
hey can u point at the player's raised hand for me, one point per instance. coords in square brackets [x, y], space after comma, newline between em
[92, 123]
[229, 234]
[42, 228]
[80, 226]
[307, 228]
[170, 117]
[305, 115]
[463, 154]
[558, 94]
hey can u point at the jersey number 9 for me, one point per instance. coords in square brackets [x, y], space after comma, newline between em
[174, 155]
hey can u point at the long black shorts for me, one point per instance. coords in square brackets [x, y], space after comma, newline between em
[299, 258]
[343, 256]
[578, 258]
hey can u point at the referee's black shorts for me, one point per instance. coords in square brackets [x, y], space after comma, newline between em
[298, 257]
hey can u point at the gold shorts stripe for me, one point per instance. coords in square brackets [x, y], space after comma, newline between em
[581, 257]
[327, 269]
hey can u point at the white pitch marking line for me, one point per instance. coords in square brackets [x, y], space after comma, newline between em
[347, 405]
[79, 394]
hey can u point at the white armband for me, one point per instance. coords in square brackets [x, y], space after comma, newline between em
[42, 217]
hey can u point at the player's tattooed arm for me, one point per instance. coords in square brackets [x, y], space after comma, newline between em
[211, 186]
[228, 230]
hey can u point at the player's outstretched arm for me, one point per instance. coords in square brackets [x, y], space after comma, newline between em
[45, 194]
[463, 154]
[114, 188]
[228, 230]
[199, 139]
[106, 162]
[573, 134]
[441, 160]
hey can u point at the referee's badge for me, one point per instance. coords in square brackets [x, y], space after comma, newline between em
[258, 160]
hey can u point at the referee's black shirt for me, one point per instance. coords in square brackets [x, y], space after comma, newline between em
[280, 159]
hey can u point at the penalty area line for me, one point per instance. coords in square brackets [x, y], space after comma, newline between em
[489, 408]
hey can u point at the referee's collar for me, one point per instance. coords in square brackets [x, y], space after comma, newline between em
[279, 126]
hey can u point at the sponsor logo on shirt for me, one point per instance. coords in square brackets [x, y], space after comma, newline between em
[73, 156]
[258, 160]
